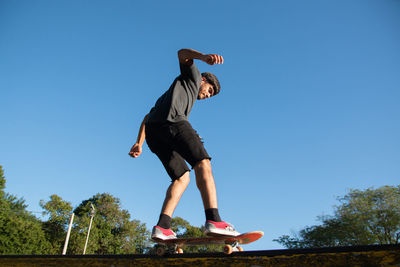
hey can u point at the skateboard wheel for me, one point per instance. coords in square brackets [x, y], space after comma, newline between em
[160, 251]
[228, 249]
[179, 250]
[240, 249]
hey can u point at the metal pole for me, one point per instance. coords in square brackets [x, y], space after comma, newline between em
[68, 233]
[90, 226]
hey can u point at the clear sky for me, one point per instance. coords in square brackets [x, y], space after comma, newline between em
[309, 104]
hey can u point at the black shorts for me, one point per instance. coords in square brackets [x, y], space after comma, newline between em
[175, 143]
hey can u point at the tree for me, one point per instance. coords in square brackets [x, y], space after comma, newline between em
[2, 182]
[363, 218]
[20, 231]
[59, 212]
[112, 230]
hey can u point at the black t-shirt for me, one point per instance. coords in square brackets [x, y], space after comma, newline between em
[177, 102]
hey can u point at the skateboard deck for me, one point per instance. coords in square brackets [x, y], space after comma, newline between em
[231, 242]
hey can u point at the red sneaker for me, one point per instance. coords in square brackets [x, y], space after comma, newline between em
[220, 228]
[163, 234]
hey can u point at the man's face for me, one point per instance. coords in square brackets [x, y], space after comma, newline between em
[206, 90]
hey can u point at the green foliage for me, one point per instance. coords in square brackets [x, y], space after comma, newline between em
[59, 212]
[363, 218]
[21, 234]
[373, 214]
[20, 231]
[2, 180]
[57, 209]
[112, 230]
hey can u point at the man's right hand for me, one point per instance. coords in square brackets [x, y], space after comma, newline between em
[136, 150]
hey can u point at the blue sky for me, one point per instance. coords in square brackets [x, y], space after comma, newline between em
[309, 106]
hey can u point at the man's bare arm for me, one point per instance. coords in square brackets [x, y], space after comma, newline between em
[186, 57]
[136, 149]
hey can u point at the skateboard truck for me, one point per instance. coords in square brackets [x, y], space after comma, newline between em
[162, 250]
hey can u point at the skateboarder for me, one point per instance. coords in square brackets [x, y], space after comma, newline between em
[170, 136]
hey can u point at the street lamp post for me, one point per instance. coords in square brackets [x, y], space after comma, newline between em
[90, 226]
[68, 233]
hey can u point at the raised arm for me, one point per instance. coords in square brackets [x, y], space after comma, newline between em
[186, 57]
[136, 149]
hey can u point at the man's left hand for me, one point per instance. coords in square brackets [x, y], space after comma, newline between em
[213, 59]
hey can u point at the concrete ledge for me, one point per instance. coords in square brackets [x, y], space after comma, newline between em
[385, 255]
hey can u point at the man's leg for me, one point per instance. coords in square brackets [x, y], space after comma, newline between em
[174, 194]
[205, 183]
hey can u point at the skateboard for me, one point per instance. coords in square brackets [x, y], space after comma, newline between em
[232, 243]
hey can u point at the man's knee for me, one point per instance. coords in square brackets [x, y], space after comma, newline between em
[184, 179]
[203, 165]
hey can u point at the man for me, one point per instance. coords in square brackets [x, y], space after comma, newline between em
[170, 136]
